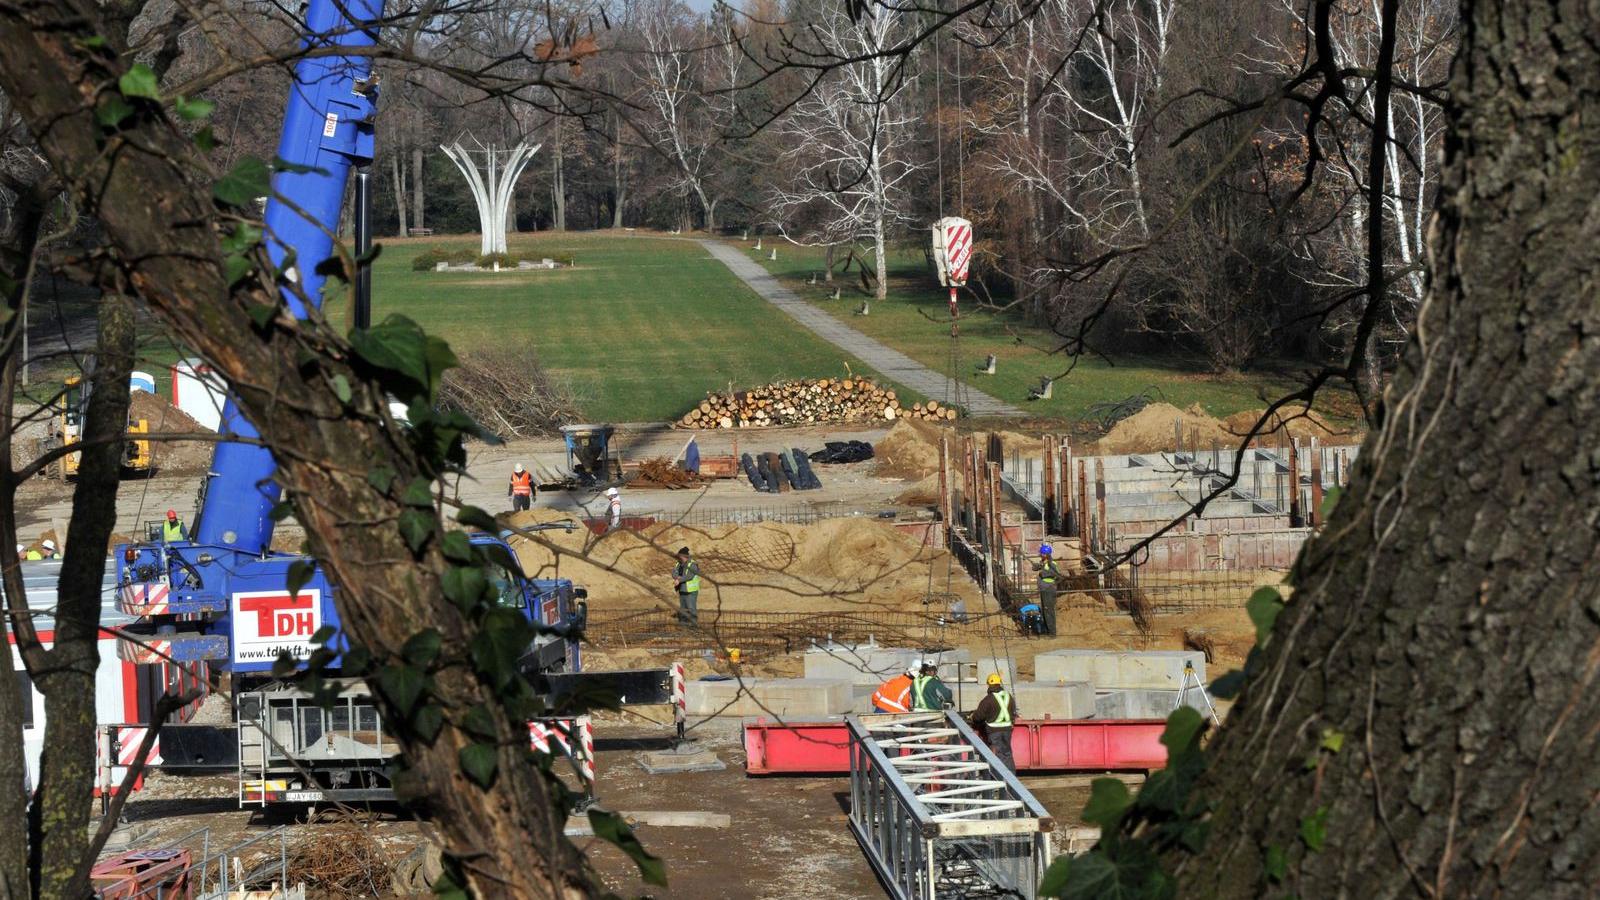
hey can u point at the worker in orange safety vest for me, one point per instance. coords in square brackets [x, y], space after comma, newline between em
[521, 490]
[894, 695]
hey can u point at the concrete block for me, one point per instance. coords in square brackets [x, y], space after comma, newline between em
[792, 698]
[1005, 665]
[688, 758]
[1107, 669]
[1074, 700]
[1097, 667]
[1143, 703]
[860, 664]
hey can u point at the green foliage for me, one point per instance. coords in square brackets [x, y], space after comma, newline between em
[1314, 829]
[612, 828]
[480, 762]
[140, 81]
[429, 259]
[1275, 863]
[1264, 606]
[504, 260]
[1330, 502]
[407, 361]
[192, 109]
[241, 185]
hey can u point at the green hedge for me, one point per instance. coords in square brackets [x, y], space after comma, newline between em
[430, 259]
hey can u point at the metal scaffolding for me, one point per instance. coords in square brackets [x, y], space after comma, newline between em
[938, 815]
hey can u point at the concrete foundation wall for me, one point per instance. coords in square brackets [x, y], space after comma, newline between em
[789, 698]
[1143, 703]
[1054, 701]
[1153, 669]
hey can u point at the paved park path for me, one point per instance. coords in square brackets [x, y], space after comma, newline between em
[890, 363]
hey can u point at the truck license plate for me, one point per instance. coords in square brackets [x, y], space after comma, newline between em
[302, 796]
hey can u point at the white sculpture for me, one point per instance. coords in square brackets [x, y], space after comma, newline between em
[492, 189]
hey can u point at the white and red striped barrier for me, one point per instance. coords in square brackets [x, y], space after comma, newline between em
[144, 599]
[574, 737]
[680, 695]
[117, 751]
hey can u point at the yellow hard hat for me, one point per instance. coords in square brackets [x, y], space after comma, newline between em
[994, 679]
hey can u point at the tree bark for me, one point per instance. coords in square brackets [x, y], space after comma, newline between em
[558, 182]
[148, 187]
[416, 188]
[1446, 621]
[395, 166]
[60, 813]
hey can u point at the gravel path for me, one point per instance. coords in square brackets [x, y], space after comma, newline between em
[891, 363]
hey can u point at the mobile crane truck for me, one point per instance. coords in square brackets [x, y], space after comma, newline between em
[222, 596]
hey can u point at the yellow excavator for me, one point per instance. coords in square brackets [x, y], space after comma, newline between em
[66, 427]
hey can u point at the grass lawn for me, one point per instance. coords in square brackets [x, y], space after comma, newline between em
[642, 326]
[915, 321]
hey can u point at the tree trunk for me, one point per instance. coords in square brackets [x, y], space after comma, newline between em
[416, 188]
[1446, 621]
[881, 259]
[558, 182]
[60, 814]
[827, 264]
[150, 191]
[397, 168]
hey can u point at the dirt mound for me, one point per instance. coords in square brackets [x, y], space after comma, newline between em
[838, 564]
[1152, 429]
[1298, 421]
[909, 450]
[171, 456]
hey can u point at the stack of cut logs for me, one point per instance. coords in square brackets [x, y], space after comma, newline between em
[810, 402]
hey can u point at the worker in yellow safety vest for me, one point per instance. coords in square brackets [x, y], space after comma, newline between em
[686, 577]
[173, 530]
[928, 692]
[994, 717]
[894, 695]
[1049, 573]
[521, 490]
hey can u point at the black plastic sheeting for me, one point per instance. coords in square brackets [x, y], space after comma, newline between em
[843, 452]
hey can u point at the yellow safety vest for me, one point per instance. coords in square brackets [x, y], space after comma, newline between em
[1048, 571]
[919, 687]
[34, 554]
[692, 585]
[172, 531]
[1002, 719]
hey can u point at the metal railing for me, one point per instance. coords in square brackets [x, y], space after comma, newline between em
[938, 815]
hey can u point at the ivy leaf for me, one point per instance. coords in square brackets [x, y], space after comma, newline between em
[300, 572]
[479, 723]
[613, 829]
[94, 42]
[112, 110]
[1276, 863]
[450, 885]
[457, 548]
[356, 660]
[502, 637]
[324, 635]
[1330, 501]
[1314, 830]
[403, 685]
[416, 527]
[1264, 606]
[380, 478]
[243, 237]
[419, 493]
[1182, 731]
[1098, 876]
[474, 517]
[341, 388]
[463, 585]
[284, 665]
[1332, 740]
[428, 721]
[1108, 800]
[281, 510]
[205, 139]
[1228, 686]
[479, 762]
[422, 648]
[140, 81]
[248, 179]
[236, 267]
[192, 110]
[399, 347]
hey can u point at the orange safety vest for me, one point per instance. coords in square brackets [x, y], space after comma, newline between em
[522, 485]
[894, 695]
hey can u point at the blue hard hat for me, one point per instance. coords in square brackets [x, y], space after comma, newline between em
[1045, 550]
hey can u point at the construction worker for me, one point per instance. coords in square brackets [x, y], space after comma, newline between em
[47, 549]
[173, 530]
[1032, 619]
[614, 509]
[686, 578]
[1048, 573]
[894, 695]
[928, 692]
[521, 489]
[993, 718]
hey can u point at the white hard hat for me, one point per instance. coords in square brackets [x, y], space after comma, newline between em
[611, 492]
[20, 548]
[49, 544]
[914, 667]
[517, 468]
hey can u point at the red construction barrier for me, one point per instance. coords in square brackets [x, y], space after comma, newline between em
[1092, 745]
[144, 875]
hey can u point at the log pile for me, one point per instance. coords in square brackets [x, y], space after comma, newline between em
[820, 401]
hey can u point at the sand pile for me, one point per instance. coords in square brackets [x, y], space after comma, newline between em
[1303, 424]
[1151, 429]
[839, 564]
[909, 450]
[171, 456]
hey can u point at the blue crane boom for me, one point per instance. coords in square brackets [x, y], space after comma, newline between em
[327, 130]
